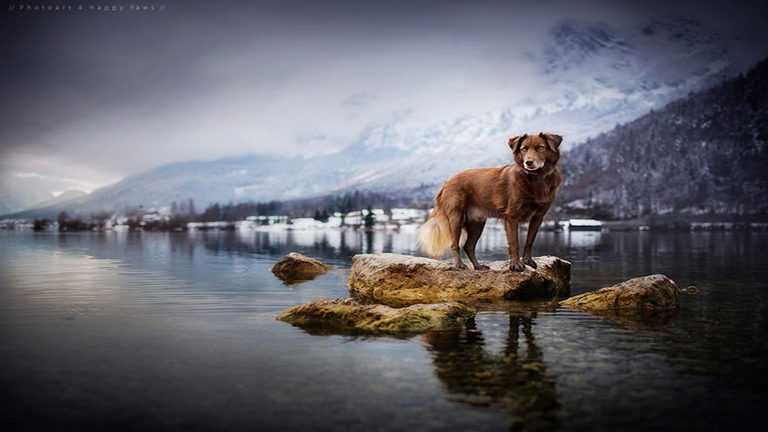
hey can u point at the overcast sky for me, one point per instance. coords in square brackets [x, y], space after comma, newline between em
[93, 96]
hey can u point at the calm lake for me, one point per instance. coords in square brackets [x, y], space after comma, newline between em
[176, 331]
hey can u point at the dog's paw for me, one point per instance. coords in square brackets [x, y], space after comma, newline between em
[517, 266]
[530, 262]
[482, 267]
[461, 266]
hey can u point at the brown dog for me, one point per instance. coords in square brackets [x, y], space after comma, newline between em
[517, 193]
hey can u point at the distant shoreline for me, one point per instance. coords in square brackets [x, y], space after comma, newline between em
[356, 223]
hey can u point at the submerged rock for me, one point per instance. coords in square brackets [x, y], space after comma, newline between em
[353, 315]
[648, 293]
[400, 279]
[296, 267]
[690, 290]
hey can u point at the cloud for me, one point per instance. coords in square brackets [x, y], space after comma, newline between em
[106, 96]
[359, 100]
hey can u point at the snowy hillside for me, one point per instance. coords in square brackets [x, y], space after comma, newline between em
[702, 155]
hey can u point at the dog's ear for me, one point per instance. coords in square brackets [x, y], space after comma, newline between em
[516, 142]
[553, 141]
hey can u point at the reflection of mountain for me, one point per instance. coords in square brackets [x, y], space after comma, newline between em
[514, 380]
[595, 76]
[334, 247]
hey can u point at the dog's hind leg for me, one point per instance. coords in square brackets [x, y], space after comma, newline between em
[474, 229]
[456, 223]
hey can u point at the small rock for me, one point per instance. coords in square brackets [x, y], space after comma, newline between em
[296, 267]
[649, 293]
[354, 315]
[400, 280]
[644, 303]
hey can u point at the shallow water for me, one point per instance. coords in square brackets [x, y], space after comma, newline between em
[140, 331]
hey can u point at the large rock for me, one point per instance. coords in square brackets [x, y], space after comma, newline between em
[400, 279]
[296, 267]
[649, 293]
[353, 315]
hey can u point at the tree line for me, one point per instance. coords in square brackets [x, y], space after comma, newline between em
[182, 213]
[319, 208]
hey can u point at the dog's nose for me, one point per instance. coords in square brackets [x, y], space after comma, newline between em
[529, 162]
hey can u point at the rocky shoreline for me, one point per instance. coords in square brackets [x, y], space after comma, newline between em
[400, 294]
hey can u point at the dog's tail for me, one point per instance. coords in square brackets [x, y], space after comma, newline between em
[434, 237]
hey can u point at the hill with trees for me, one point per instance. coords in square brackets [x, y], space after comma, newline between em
[703, 155]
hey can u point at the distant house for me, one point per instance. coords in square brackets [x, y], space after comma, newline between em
[585, 225]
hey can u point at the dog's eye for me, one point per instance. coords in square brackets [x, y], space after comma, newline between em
[540, 148]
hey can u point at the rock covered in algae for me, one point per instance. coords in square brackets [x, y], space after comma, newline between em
[648, 293]
[355, 315]
[402, 279]
[296, 267]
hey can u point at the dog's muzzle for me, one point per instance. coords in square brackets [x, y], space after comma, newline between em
[532, 165]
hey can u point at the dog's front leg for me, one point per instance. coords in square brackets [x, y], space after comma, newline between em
[533, 229]
[511, 226]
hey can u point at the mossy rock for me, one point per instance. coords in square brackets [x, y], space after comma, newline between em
[356, 316]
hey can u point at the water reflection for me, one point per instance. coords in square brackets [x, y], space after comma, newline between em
[583, 239]
[95, 324]
[512, 378]
[334, 246]
[340, 245]
[656, 320]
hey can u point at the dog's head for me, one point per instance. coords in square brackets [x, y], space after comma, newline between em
[536, 153]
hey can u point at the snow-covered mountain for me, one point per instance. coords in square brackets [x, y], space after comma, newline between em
[597, 76]
[603, 76]
[67, 195]
[24, 190]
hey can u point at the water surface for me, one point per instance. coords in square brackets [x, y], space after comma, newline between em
[176, 331]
